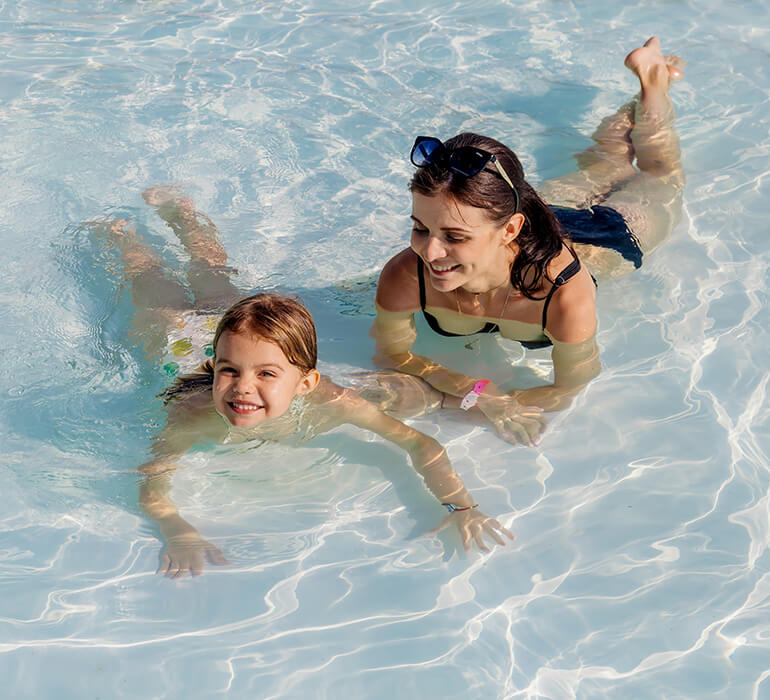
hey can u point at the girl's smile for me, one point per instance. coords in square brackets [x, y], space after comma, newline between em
[254, 380]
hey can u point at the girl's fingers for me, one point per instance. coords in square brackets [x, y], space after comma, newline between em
[165, 562]
[480, 541]
[215, 556]
[495, 536]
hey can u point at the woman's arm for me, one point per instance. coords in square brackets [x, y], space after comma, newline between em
[575, 355]
[394, 334]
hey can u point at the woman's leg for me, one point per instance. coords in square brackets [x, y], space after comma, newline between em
[648, 196]
[601, 166]
[208, 274]
[651, 200]
[609, 161]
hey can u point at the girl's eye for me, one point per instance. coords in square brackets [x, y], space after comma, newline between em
[455, 239]
[226, 370]
[266, 373]
[419, 231]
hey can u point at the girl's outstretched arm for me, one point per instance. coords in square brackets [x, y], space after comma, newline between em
[185, 549]
[430, 460]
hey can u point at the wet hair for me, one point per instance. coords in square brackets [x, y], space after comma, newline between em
[541, 237]
[271, 317]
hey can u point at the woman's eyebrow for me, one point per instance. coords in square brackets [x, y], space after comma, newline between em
[445, 228]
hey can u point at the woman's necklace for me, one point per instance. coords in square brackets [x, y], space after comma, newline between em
[474, 344]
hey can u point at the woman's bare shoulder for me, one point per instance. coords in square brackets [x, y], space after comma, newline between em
[572, 311]
[397, 289]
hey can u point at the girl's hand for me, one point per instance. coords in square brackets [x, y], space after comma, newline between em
[185, 553]
[473, 525]
[513, 421]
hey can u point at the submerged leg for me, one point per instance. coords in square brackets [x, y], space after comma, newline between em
[157, 296]
[609, 161]
[651, 200]
[209, 274]
[648, 196]
[601, 166]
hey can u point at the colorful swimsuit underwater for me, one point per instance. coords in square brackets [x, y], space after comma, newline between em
[190, 342]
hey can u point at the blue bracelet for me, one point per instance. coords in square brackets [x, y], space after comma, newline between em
[452, 508]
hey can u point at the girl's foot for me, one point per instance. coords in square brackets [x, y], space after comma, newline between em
[195, 230]
[169, 196]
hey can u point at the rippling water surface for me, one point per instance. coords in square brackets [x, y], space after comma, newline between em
[640, 567]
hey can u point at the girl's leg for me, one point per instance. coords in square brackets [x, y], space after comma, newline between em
[158, 297]
[208, 274]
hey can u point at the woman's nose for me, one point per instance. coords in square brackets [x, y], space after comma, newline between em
[434, 250]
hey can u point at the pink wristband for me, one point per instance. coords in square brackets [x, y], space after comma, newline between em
[472, 397]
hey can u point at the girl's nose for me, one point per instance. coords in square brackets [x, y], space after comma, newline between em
[244, 385]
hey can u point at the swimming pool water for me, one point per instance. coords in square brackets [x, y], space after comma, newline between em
[642, 520]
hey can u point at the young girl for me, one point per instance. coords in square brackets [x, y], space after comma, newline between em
[260, 383]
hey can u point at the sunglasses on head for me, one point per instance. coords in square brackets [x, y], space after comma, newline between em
[465, 160]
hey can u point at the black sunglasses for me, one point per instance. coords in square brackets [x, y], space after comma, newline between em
[466, 160]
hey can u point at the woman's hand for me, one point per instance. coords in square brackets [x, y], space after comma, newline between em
[513, 421]
[473, 525]
[185, 553]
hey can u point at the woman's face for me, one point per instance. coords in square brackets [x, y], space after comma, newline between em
[459, 244]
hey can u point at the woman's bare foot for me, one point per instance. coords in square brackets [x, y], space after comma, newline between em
[675, 66]
[649, 65]
[655, 72]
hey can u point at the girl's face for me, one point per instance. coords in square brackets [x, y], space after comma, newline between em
[254, 380]
[459, 244]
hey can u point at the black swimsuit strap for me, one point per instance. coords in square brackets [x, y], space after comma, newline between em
[564, 276]
[433, 321]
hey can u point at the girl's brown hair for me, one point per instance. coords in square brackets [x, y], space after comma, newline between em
[271, 317]
[542, 236]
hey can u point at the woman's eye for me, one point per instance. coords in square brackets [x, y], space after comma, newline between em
[419, 231]
[455, 239]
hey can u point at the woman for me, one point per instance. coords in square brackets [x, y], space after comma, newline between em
[487, 255]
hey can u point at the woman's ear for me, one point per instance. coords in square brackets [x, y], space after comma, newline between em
[513, 227]
[308, 382]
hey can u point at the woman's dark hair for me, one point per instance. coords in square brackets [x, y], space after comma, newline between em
[272, 317]
[541, 237]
